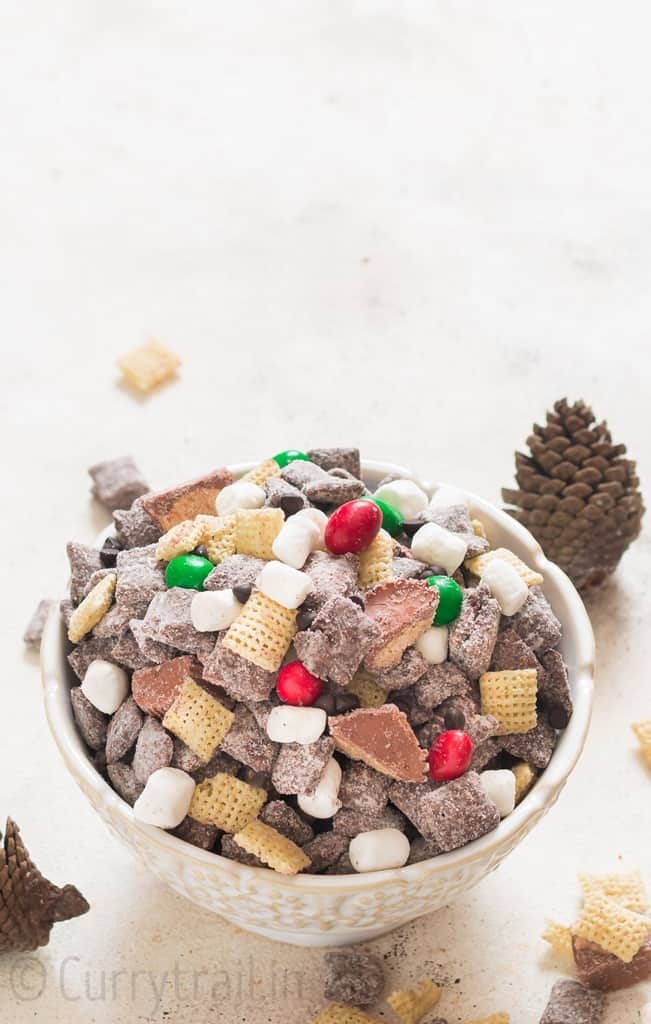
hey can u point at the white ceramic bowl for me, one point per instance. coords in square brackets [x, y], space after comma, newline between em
[332, 910]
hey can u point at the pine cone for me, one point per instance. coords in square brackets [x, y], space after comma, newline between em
[578, 496]
[29, 904]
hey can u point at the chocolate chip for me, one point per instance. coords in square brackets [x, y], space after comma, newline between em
[455, 719]
[411, 526]
[242, 594]
[201, 550]
[109, 552]
[291, 504]
[358, 599]
[558, 716]
[327, 703]
[346, 702]
[305, 619]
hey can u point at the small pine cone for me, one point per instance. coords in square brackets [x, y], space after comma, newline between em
[577, 494]
[29, 904]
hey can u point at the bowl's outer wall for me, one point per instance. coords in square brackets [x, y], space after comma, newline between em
[335, 910]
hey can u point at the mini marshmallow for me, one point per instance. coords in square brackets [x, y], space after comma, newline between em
[435, 545]
[241, 494]
[506, 585]
[378, 850]
[284, 585]
[446, 496]
[404, 495]
[289, 724]
[105, 685]
[166, 799]
[318, 519]
[499, 787]
[296, 541]
[324, 802]
[433, 644]
[212, 610]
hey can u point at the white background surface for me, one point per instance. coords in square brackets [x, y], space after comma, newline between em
[410, 226]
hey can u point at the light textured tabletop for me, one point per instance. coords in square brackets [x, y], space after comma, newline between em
[409, 226]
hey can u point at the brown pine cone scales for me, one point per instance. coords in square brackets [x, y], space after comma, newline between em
[29, 904]
[577, 494]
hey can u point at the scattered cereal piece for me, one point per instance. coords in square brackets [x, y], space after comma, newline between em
[36, 624]
[337, 1013]
[401, 610]
[353, 977]
[179, 540]
[510, 696]
[627, 888]
[92, 609]
[480, 563]
[382, 738]
[262, 632]
[412, 1005]
[148, 366]
[265, 471]
[218, 537]
[376, 562]
[198, 719]
[117, 483]
[613, 927]
[364, 686]
[524, 779]
[571, 1003]
[559, 937]
[642, 731]
[256, 529]
[187, 501]
[604, 971]
[226, 802]
[274, 849]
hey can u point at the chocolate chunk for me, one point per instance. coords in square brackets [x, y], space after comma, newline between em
[246, 742]
[36, 624]
[331, 576]
[280, 494]
[601, 970]
[351, 822]
[140, 578]
[382, 738]
[134, 528]
[242, 594]
[287, 821]
[411, 526]
[327, 702]
[456, 519]
[201, 550]
[363, 789]
[196, 833]
[156, 688]
[554, 690]
[536, 623]
[109, 552]
[124, 782]
[535, 746]
[299, 767]
[84, 562]
[439, 683]
[401, 610]
[197, 497]
[353, 978]
[92, 724]
[234, 571]
[358, 599]
[571, 1003]
[325, 849]
[117, 483]
[336, 458]
[334, 645]
[411, 667]
[154, 749]
[123, 730]
[345, 702]
[304, 619]
[241, 679]
[473, 634]
[451, 814]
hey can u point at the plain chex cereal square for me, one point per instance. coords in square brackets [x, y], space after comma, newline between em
[92, 609]
[376, 562]
[337, 1013]
[617, 930]
[642, 731]
[365, 687]
[256, 529]
[146, 367]
[217, 536]
[260, 474]
[179, 540]
[479, 565]
[226, 802]
[559, 937]
[262, 632]
[273, 848]
[510, 696]
[627, 889]
[411, 1006]
[198, 719]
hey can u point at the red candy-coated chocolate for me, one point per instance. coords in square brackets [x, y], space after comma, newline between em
[352, 527]
[450, 755]
[295, 685]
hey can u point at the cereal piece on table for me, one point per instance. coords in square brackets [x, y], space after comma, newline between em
[365, 687]
[218, 537]
[92, 724]
[337, 640]
[154, 750]
[36, 624]
[401, 610]
[535, 747]
[473, 633]
[166, 798]
[559, 937]
[179, 540]
[524, 779]
[626, 888]
[480, 563]
[383, 739]
[495, 1018]
[412, 1005]
[353, 977]
[440, 682]
[536, 623]
[299, 767]
[332, 576]
[256, 529]
[92, 609]
[510, 696]
[123, 730]
[240, 678]
[140, 578]
[124, 781]
[226, 802]
[134, 528]
[196, 833]
[287, 821]
[642, 731]
[613, 927]
[232, 851]
[117, 483]
[325, 850]
[84, 562]
[604, 971]
[452, 814]
[265, 471]
[248, 743]
[262, 632]
[376, 562]
[351, 822]
[198, 719]
[274, 849]
[148, 366]
[364, 789]
[554, 690]
[572, 1003]
[336, 458]
[234, 571]
[188, 500]
[337, 1013]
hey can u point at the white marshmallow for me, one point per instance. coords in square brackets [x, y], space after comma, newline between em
[446, 496]
[213, 610]
[434, 545]
[404, 495]
[105, 685]
[318, 519]
[433, 644]
[289, 724]
[297, 539]
[499, 786]
[324, 802]
[284, 585]
[645, 1014]
[506, 585]
[166, 798]
[241, 494]
[380, 849]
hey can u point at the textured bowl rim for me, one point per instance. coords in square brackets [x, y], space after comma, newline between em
[542, 795]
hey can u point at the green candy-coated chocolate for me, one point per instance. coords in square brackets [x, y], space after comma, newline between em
[450, 599]
[188, 571]
[391, 519]
[291, 455]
